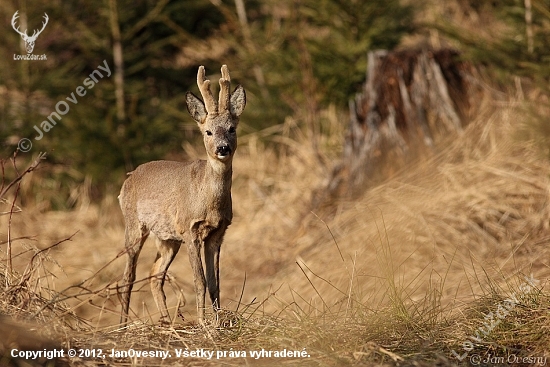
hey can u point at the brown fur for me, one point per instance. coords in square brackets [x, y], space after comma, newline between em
[187, 203]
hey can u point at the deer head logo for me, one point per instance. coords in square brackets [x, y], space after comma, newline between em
[29, 41]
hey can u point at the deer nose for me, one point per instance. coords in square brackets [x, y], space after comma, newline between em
[223, 150]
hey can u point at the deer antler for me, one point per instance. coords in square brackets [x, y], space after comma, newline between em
[13, 19]
[204, 88]
[24, 34]
[35, 34]
[225, 92]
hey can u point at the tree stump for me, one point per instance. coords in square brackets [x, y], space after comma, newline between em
[409, 101]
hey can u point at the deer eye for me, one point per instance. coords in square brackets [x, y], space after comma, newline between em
[232, 130]
[208, 132]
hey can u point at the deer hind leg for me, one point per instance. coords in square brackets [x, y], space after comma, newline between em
[212, 262]
[194, 252]
[167, 251]
[134, 242]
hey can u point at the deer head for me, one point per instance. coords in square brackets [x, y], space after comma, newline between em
[29, 41]
[217, 120]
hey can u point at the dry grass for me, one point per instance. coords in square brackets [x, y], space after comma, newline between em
[402, 275]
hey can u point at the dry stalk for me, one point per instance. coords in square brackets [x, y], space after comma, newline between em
[5, 188]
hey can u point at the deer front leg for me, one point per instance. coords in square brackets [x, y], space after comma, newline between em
[194, 251]
[167, 251]
[212, 261]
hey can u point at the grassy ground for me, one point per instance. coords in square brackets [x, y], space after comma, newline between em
[445, 263]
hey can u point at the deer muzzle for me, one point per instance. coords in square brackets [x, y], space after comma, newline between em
[223, 151]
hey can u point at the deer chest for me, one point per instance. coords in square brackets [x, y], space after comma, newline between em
[213, 223]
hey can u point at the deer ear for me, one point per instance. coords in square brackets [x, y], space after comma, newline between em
[195, 107]
[238, 101]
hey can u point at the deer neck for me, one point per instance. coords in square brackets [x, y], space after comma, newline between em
[219, 175]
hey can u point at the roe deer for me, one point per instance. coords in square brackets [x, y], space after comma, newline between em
[185, 202]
